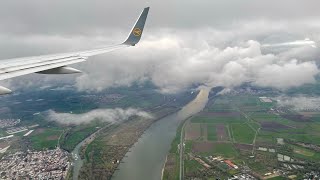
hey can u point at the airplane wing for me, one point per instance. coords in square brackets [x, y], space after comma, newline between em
[58, 63]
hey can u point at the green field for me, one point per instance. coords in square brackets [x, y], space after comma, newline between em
[171, 171]
[221, 149]
[244, 100]
[305, 137]
[3, 133]
[221, 108]
[45, 138]
[242, 133]
[263, 116]
[211, 132]
[258, 166]
[217, 119]
[225, 150]
[93, 151]
[304, 153]
[192, 166]
[278, 178]
[78, 133]
[256, 119]
[254, 125]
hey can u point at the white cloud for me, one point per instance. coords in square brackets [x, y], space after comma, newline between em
[201, 56]
[300, 103]
[105, 115]
[172, 64]
[291, 74]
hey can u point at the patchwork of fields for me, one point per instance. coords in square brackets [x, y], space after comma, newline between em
[235, 126]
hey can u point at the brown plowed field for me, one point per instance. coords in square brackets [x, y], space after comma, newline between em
[221, 114]
[193, 131]
[202, 147]
[222, 135]
[297, 118]
[245, 147]
[272, 126]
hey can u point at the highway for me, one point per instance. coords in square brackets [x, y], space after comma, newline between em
[181, 149]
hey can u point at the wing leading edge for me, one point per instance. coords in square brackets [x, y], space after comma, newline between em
[56, 64]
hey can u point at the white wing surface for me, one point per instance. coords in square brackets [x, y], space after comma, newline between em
[58, 63]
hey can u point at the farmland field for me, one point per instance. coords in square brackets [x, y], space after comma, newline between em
[217, 119]
[192, 131]
[303, 151]
[224, 149]
[74, 136]
[222, 134]
[234, 127]
[45, 138]
[242, 133]
[202, 147]
[212, 134]
[208, 148]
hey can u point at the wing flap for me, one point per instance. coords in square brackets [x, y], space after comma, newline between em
[37, 64]
[40, 68]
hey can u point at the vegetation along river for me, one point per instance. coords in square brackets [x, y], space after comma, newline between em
[146, 158]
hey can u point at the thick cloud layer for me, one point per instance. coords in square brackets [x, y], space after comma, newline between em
[105, 115]
[186, 43]
[172, 64]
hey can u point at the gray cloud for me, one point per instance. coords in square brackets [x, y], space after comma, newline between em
[91, 17]
[185, 42]
[300, 103]
[172, 64]
[105, 115]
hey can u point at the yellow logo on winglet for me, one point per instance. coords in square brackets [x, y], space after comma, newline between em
[137, 32]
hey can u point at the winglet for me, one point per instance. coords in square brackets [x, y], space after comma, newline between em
[136, 32]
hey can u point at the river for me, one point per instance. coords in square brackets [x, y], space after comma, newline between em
[145, 160]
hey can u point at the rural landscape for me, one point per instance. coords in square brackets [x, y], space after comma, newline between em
[244, 133]
[99, 144]
[247, 134]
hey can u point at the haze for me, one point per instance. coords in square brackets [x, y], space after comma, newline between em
[186, 43]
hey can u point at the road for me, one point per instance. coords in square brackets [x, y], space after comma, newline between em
[181, 174]
[256, 131]
[77, 161]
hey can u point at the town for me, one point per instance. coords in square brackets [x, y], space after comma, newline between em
[8, 122]
[49, 164]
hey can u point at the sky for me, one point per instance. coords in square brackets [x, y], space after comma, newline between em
[185, 42]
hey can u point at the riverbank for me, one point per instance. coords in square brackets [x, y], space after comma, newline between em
[171, 168]
[145, 160]
[77, 155]
[112, 145]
